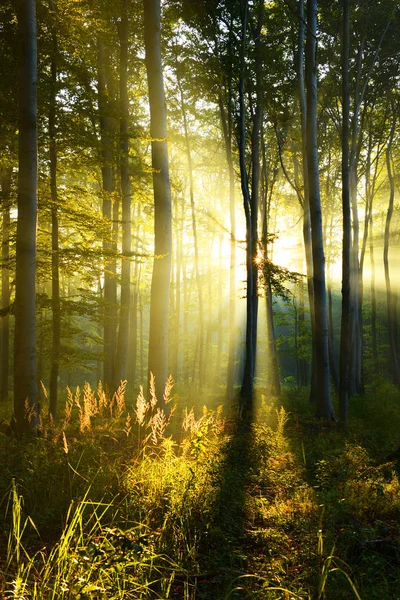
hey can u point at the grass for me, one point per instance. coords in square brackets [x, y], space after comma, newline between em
[169, 503]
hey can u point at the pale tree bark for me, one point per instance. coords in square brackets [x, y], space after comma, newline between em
[55, 275]
[160, 284]
[346, 244]
[5, 282]
[306, 200]
[323, 400]
[123, 331]
[25, 395]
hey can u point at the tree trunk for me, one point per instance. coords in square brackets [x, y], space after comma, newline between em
[373, 299]
[123, 331]
[25, 398]
[272, 355]
[346, 247]
[314, 390]
[133, 318]
[324, 403]
[5, 283]
[389, 294]
[108, 188]
[55, 275]
[226, 122]
[251, 202]
[159, 302]
[220, 311]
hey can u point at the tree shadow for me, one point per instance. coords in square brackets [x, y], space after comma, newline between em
[222, 547]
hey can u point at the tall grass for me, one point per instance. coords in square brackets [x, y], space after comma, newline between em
[124, 503]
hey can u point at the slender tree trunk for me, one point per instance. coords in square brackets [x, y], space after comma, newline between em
[123, 331]
[373, 299]
[251, 201]
[5, 283]
[55, 275]
[141, 337]
[226, 122]
[159, 303]
[186, 303]
[25, 398]
[346, 247]
[272, 355]
[389, 294]
[133, 316]
[324, 403]
[108, 188]
[220, 311]
[180, 210]
[314, 390]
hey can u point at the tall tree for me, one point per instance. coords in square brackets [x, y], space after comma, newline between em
[123, 331]
[323, 400]
[106, 133]
[5, 181]
[346, 248]
[55, 275]
[160, 283]
[251, 194]
[25, 400]
[390, 296]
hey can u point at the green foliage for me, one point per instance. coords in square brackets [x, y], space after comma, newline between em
[118, 503]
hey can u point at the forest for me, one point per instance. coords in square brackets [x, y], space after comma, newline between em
[199, 336]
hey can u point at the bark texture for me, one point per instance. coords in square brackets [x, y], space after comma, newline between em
[25, 398]
[321, 334]
[160, 283]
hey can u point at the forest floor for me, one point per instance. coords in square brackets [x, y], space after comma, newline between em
[113, 504]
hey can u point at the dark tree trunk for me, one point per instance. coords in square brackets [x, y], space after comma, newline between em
[160, 284]
[269, 181]
[25, 396]
[251, 201]
[55, 275]
[324, 403]
[346, 248]
[5, 283]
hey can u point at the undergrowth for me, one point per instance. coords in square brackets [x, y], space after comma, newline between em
[162, 502]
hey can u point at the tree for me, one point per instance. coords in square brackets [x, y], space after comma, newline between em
[5, 182]
[123, 331]
[324, 403]
[390, 299]
[346, 247]
[160, 283]
[25, 402]
[55, 279]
